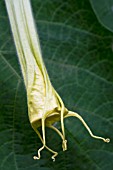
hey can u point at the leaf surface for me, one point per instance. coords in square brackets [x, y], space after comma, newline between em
[104, 12]
[78, 55]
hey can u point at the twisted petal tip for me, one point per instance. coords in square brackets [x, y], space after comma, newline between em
[107, 140]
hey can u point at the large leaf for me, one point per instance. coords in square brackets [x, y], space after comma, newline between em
[78, 54]
[104, 12]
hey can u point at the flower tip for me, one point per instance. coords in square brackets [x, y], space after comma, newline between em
[107, 140]
[64, 145]
[35, 157]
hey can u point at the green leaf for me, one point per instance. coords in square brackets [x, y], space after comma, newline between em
[104, 12]
[78, 55]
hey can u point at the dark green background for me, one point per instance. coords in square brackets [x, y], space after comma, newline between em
[78, 53]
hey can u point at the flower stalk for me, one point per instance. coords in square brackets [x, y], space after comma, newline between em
[45, 106]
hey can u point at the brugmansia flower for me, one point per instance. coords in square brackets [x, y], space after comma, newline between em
[45, 106]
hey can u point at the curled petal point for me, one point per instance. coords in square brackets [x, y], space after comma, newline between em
[64, 145]
[53, 157]
[35, 157]
[107, 140]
